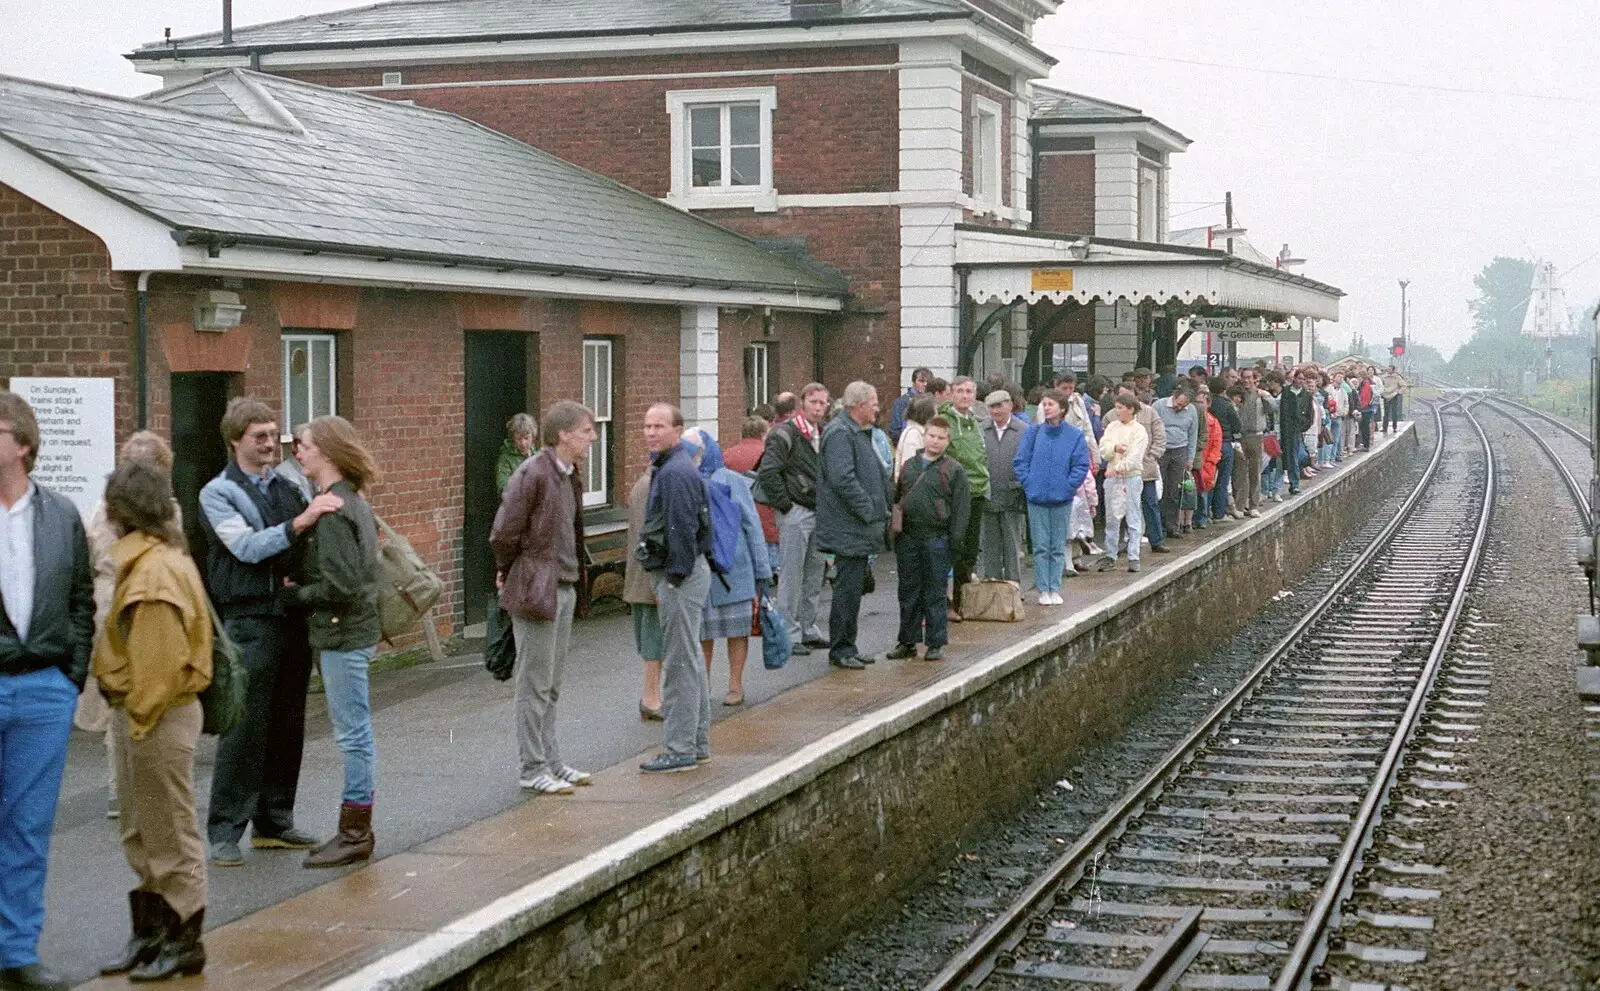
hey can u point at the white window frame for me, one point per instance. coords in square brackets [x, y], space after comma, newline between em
[758, 373]
[600, 401]
[684, 192]
[309, 338]
[987, 155]
[1149, 203]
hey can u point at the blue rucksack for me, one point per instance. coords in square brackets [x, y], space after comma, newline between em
[726, 521]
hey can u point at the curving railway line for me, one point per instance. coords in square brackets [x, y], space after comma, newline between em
[1268, 849]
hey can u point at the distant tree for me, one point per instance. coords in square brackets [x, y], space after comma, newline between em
[1504, 288]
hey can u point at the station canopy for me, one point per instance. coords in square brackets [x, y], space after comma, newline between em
[1006, 266]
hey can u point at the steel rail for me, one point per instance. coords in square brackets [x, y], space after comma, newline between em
[1580, 499]
[1565, 427]
[972, 965]
[1311, 948]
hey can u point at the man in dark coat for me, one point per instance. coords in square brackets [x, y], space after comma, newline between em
[852, 513]
[1294, 417]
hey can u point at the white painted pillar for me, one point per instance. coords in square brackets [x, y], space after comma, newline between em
[1116, 186]
[697, 367]
[932, 131]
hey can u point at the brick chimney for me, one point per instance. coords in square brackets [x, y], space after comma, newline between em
[812, 10]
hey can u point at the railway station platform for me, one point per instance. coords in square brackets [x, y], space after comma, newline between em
[830, 792]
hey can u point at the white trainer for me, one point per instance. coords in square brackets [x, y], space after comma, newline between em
[573, 776]
[545, 784]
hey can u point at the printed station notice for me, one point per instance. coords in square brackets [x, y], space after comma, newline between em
[77, 435]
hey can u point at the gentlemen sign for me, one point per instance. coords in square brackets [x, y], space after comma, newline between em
[77, 435]
[1241, 329]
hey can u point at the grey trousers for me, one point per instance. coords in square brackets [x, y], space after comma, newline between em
[541, 656]
[685, 689]
[1001, 541]
[800, 568]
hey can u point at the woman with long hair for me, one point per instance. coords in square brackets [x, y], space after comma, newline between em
[152, 661]
[338, 589]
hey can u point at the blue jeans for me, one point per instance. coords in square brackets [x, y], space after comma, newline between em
[344, 681]
[1123, 493]
[1219, 494]
[35, 721]
[1336, 448]
[1047, 527]
[1152, 514]
[922, 565]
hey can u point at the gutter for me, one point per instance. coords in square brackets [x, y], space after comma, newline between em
[215, 241]
[142, 352]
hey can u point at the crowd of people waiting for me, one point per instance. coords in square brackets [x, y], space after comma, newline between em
[953, 487]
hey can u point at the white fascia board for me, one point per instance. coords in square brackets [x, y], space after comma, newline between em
[1151, 133]
[136, 241]
[296, 266]
[1024, 57]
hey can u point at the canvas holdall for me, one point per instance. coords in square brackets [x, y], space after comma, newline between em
[991, 601]
[407, 587]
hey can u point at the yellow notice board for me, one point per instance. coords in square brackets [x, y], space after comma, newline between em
[1052, 280]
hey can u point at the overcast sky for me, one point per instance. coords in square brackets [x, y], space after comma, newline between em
[1369, 181]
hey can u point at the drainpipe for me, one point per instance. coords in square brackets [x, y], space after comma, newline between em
[142, 357]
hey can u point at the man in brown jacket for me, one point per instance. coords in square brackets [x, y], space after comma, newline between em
[539, 557]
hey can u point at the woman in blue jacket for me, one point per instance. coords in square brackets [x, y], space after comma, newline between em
[1051, 462]
[729, 608]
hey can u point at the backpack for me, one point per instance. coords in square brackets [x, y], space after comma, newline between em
[726, 521]
[407, 587]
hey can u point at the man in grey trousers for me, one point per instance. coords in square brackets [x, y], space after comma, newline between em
[539, 555]
[1005, 511]
[788, 475]
[673, 547]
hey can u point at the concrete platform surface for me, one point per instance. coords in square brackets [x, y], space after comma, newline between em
[466, 860]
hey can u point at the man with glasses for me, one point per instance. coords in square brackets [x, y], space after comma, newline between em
[251, 517]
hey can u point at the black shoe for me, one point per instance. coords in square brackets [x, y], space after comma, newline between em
[799, 650]
[934, 654]
[289, 839]
[31, 977]
[181, 952]
[902, 651]
[1160, 549]
[848, 663]
[866, 659]
[1106, 564]
[816, 643]
[149, 931]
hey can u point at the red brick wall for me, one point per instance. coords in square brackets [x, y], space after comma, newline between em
[835, 132]
[1065, 185]
[865, 243]
[63, 312]
[792, 336]
[644, 369]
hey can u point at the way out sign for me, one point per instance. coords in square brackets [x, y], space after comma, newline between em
[77, 435]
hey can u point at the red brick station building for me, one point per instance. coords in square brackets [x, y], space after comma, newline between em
[427, 216]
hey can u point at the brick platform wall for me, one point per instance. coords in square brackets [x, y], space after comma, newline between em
[63, 312]
[757, 904]
[1066, 194]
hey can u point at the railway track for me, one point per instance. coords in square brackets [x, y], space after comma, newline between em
[1234, 862]
[1570, 451]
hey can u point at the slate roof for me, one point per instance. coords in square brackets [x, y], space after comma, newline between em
[1051, 105]
[1058, 104]
[261, 159]
[435, 20]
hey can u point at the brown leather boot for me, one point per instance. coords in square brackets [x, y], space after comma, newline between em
[351, 844]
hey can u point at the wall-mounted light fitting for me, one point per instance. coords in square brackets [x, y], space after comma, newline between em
[217, 310]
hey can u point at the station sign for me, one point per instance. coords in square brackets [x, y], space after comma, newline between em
[1242, 329]
[1052, 280]
[77, 435]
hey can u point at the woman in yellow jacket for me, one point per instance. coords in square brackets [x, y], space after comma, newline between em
[152, 661]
